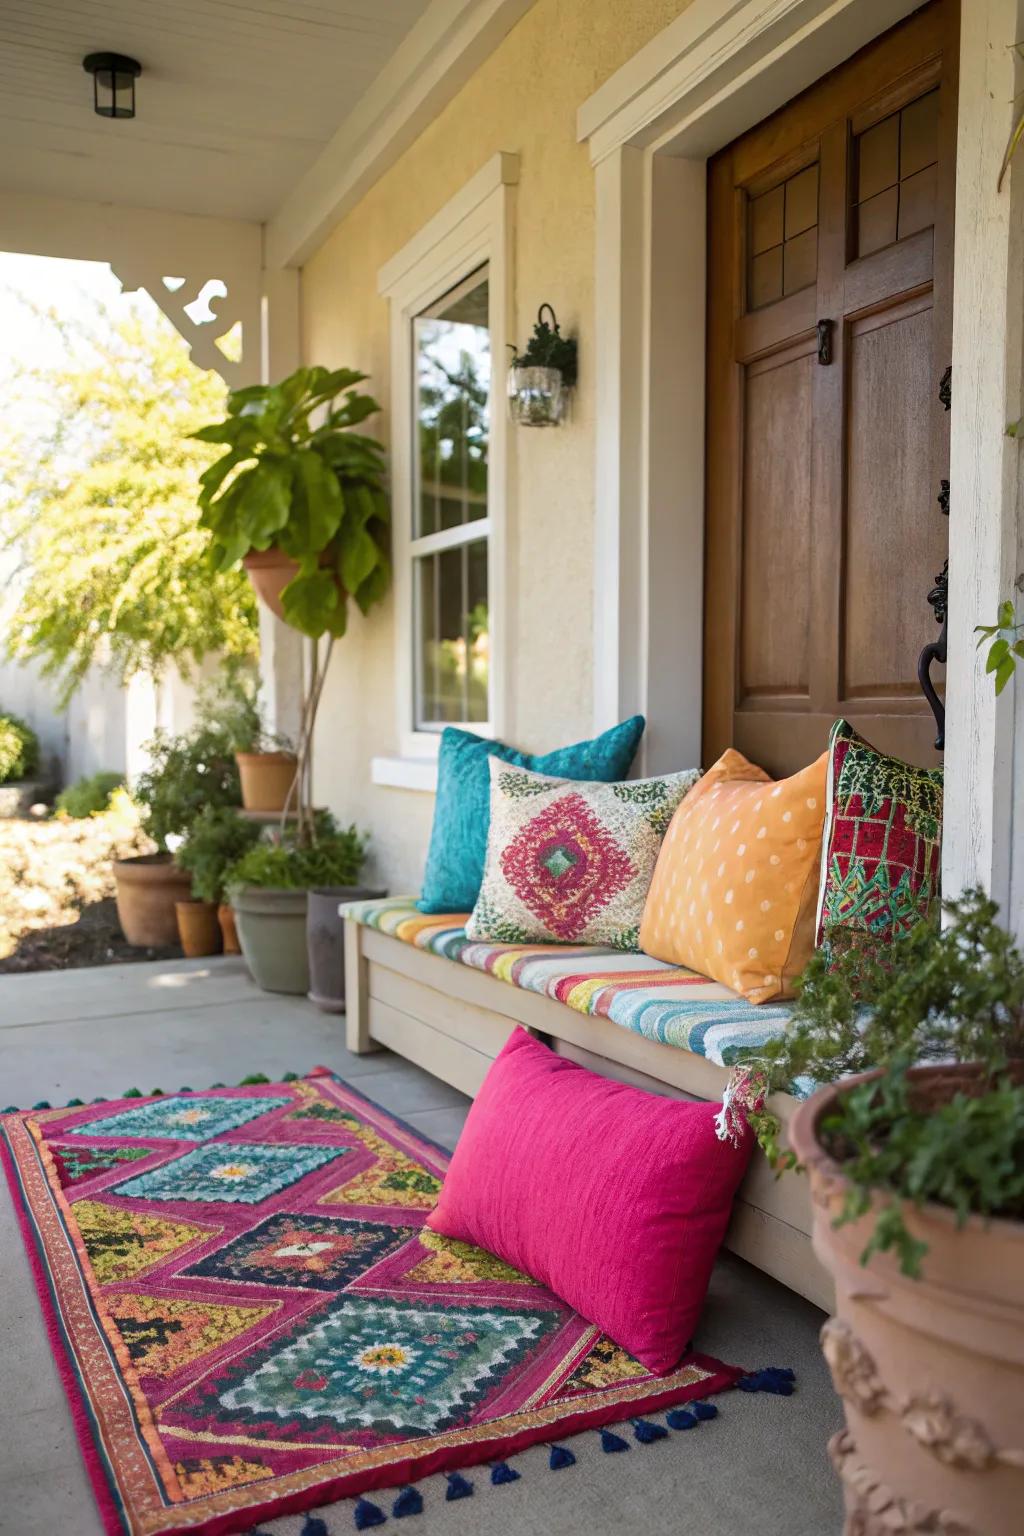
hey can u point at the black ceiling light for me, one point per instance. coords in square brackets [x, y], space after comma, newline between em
[113, 83]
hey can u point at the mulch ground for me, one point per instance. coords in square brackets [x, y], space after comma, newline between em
[57, 887]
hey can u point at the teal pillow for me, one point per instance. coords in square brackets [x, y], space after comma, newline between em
[462, 812]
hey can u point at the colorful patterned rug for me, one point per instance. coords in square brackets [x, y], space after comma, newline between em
[250, 1318]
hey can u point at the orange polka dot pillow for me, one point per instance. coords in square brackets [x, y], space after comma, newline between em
[735, 885]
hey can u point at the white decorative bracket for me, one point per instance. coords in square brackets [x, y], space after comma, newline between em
[205, 311]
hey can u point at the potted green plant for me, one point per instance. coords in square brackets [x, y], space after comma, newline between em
[215, 841]
[298, 497]
[541, 376]
[268, 889]
[186, 773]
[267, 761]
[914, 1143]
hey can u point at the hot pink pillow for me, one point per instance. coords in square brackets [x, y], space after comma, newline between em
[615, 1199]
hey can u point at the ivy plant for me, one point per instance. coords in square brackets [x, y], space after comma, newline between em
[548, 348]
[939, 995]
[295, 475]
[1006, 647]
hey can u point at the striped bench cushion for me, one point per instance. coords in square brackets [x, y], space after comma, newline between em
[661, 1002]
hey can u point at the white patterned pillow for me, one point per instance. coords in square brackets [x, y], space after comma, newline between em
[569, 862]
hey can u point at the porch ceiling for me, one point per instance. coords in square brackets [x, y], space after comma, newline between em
[236, 100]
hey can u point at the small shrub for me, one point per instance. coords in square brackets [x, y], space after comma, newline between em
[19, 749]
[336, 858]
[217, 839]
[89, 796]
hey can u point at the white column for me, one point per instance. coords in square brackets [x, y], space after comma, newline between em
[988, 285]
[281, 668]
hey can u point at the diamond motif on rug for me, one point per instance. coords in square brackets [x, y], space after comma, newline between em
[122, 1244]
[180, 1119]
[393, 1180]
[321, 1252]
[240, 1172]
[161, 1335]
[564, 866]
[371, 1364]
[77, 1164]
[453, 1263]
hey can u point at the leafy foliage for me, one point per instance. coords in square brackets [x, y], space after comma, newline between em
[19, 749]
[548, 348]
[336, 858]
[940, 995]
[99, 484]
[1006, 647]
[316, 493]
[196, 768]
[217, 839]
[89, 796]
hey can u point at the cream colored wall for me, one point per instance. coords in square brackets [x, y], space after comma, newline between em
[523, 99]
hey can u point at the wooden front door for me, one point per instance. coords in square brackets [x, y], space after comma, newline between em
[829, 328]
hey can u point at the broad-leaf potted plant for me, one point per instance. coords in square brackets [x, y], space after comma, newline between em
[268, 889]
[215, 841]
[914, 1144]
[298, 497]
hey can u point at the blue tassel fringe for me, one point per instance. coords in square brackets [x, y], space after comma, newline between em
[678, 1418]
[774, 1378]
[647, 1433]
[560, 1456]
[501, 1472]
[459, 1487]
[364, 1516]
[314, 1526]
[611, 1442]
[409, 1502]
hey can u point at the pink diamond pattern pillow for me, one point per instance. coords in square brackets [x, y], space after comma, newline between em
[569, 862]
[614, 1198]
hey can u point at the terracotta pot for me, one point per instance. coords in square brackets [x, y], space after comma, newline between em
[148, 888]
[325, 938]
[931, 1371]
[228, 931]
[267, 778]
[198, 928]
[270, 571]
[272, 933]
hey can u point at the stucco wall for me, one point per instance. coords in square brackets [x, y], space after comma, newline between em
[523, 99]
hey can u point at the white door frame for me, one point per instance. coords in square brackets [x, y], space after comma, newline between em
[717, 70]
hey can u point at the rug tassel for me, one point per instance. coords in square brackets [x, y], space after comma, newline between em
[501, 1472]
[132, 1093]
[611, 1442]
[409, 1502]
[705, 1410]
[43, 1104]
[647, 1433]
[559, 1457]
[778, 1379]
[364, 1515]
[251, 1081]
[459, 1487]
[314, 1526]
[75, 1103]
[678, 1418]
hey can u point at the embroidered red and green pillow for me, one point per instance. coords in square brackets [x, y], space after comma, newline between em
[571, 862]
[882, 845]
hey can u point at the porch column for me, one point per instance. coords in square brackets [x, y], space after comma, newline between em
[983, 842]
[281, 662]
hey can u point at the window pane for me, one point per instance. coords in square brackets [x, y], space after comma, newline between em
[453, 378]
[452, 621]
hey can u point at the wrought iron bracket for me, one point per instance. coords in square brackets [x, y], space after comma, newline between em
[938, 597]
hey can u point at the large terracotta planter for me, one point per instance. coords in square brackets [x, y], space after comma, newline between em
[148, 888]
[931, 1371]
[198, 928]
[272, 932]
[325, 938]
[267, 779]
[270, 571]
[228, 931]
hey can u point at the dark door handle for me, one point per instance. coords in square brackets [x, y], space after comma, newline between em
[824, 342]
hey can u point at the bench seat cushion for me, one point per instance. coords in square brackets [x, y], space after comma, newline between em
[659, 1001]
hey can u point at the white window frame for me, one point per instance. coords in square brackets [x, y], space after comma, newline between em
[474, 229]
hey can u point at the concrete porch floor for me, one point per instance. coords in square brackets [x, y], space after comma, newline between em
[760, 1467]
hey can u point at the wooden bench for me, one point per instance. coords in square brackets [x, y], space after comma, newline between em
[452, 1021]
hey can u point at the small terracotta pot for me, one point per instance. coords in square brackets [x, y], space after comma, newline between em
[270, 571]
[931, 1371]
[228, 931]
[198, 928]
[148, 887]
[267, 778]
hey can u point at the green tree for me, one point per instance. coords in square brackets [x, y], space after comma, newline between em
[99, 484]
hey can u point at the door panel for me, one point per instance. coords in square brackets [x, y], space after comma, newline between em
[826, 444]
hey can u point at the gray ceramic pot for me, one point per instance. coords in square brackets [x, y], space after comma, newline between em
[272, 932]
[325, 935]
